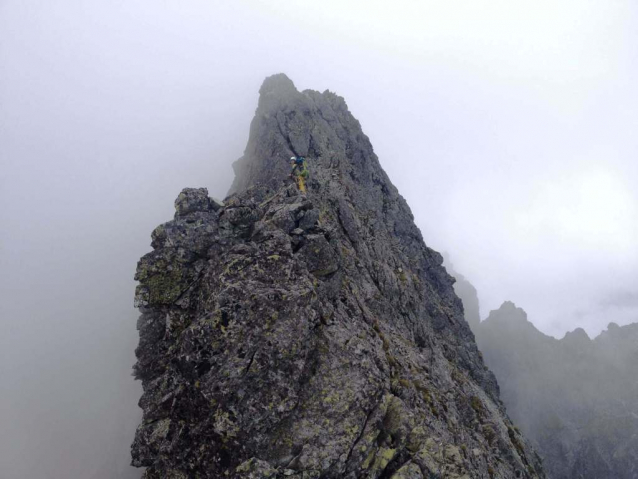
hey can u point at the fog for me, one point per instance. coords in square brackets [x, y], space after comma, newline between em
[509, 127]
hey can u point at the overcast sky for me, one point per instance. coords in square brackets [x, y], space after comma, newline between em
[509, 126]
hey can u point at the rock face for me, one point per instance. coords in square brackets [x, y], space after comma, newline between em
[467, 293]
[310, 336]
[576, 398]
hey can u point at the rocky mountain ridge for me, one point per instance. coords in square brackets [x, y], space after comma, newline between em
[576, 398]
[310, 335]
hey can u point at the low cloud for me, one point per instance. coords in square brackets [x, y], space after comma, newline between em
[620, 300]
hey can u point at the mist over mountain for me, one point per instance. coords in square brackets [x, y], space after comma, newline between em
[508, 127]
[576, 398]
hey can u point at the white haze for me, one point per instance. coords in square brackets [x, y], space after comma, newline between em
[510, 128]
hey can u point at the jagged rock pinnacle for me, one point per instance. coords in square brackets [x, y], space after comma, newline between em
[292, 123]
[508, 313]
[310, 335]
[276, 86]
[577, 337]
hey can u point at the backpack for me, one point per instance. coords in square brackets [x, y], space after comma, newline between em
[299, 160]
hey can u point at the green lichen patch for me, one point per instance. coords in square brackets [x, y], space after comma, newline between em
[166, 288]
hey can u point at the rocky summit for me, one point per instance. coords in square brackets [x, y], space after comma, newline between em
[289, 335]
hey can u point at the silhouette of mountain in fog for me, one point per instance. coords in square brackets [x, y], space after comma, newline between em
[576, 398]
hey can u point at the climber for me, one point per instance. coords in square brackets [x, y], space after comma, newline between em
[299, 172]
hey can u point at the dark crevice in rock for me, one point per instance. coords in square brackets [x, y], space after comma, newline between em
[250, 362]
[363, 430]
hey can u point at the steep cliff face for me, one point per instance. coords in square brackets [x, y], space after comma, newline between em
[310, 335]
[467, 294]
[576, 398]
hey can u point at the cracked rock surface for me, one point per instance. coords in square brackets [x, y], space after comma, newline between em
[310, 335]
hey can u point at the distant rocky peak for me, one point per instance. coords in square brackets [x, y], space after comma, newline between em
[508, 313]
[576, 338]
[578, 333]
[576, 397]
[613, 327]
[615, 334]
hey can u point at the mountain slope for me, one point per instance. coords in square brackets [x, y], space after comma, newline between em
[310, 336]
[577, 398]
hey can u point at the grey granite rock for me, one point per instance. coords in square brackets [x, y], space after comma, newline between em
[310, 335]
[191, 200]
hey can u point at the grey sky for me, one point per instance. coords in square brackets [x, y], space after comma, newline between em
[510, 128]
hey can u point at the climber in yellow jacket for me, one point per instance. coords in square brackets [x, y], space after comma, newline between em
[299, 172]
